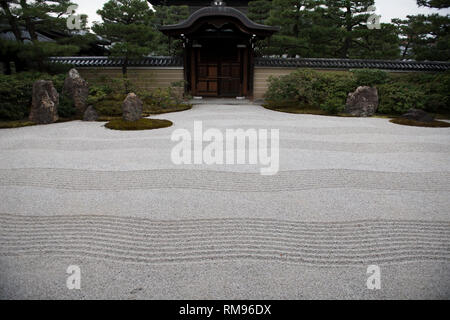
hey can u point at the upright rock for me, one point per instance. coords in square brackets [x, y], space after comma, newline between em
[418, 115]
[363, 102]
[45, 101]
[90, 114]
[77, 89]
[132, 107]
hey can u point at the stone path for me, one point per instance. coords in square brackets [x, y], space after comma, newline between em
[350, 193]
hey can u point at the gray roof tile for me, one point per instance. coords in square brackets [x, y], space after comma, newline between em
[112, 62]
[352, 64]
[161, 61]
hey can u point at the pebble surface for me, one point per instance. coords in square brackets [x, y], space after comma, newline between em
[351, 192]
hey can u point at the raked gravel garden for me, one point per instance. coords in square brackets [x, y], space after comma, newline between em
[350, 192]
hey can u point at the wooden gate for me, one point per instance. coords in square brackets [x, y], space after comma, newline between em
[219, 71]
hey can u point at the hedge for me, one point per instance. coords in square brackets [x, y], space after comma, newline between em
[16, 94]
[309, 89]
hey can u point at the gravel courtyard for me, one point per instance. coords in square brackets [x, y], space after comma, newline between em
[351, 192]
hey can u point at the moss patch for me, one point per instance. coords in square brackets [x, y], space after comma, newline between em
[141, 124]
[297, 110]
[15, 124]
[107, 118]
[312, 111]
[413, 123]
[444, 116]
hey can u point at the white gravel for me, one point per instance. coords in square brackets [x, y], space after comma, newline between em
[350, 192]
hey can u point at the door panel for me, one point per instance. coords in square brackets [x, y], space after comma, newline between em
[207, 79]
[218, 71]
[230, 80]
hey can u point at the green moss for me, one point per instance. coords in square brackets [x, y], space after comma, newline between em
[141, 124]
[15, 124]
[107, 118]
[295, 109]
[413, 123]
[444, 116]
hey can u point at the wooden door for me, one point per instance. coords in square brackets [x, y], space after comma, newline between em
[207, 82]
[218, 71]
[230, 79]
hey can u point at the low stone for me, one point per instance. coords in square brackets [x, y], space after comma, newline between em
[45, 101]
[90, 114]
[418, 115]
[363, 102]
[132, 108]
[77, 89]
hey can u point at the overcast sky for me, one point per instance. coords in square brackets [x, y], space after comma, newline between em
[388, 9]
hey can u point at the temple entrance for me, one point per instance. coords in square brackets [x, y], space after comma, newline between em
[218, 50]
[219, 69]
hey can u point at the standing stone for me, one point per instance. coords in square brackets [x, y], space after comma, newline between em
[132, 108]
[90, 114]
[45, 101]
[77, 89]
[418, 115]
[363, 102]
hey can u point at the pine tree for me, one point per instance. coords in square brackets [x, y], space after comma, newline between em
[425, 37]
[34, 16]
[259, 10]
[383, 43]
[128, 25]
[439, 4]
[295, 17]
[349, 17]
[165, 15]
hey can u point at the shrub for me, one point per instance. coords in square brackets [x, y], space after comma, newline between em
[159, 98]
[14, 98]
[281, 89]
[337, 87]
[16, 93]
[165, 99]
[109, 107]
[106, 100]
[434, 86]
[311, 89]
[97, 93]
[177, 91]
[435, 102]
[399, 97]
[438, 93]
[333, 105]
[308, 89]
[66, 108]
[370, 77]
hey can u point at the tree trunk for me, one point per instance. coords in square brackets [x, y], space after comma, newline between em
[12, 21]
[32, 31]
[405, 51]
[125, 74]
[348, 28]
[28, 21]
[19, 65]
[6, 67]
